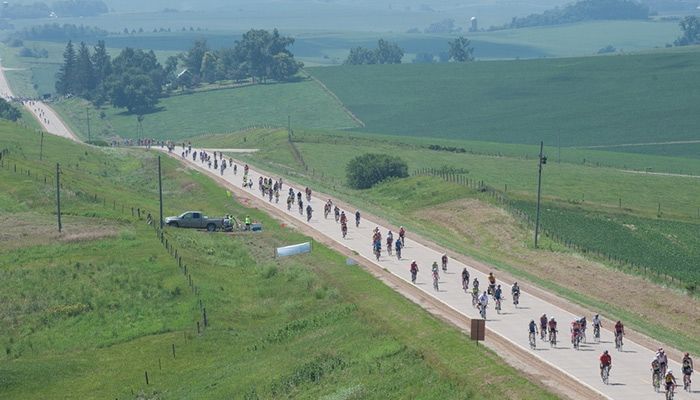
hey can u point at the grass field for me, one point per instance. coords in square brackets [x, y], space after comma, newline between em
[581, 101]
[224, 110]
[89, 311]
[434, 208]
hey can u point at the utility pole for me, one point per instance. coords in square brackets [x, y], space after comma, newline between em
[542, 161]
[160, 193]
[559, 146]
[58, 196]
[87, 114]
[289, 127]
[41, 147]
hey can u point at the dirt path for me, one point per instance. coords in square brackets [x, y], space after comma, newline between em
[565, 369]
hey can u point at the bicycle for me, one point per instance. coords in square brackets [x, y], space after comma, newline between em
[686, 381]
[398, 254]
[344, 230]
[576, 341]
[543, 332]
[482, 311]
[436, 278]
[618, 341]
[605, 373]
[465, 285]
[532, 338]
[552, 338]
[475, 299]
[516, 299]
[656, 380]
[498, 306]
[596, 333]
[670, 391]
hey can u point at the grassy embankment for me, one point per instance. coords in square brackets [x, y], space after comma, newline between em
[89, 311]
[410, 202]
[574, 102]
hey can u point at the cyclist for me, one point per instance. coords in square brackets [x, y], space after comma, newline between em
[475, 295]
[301, 206]
[497, 297]
[299, 197]
[436, 277]
[552, 325]
[492, 283]
[670, 381]
[543, 326]
[576, 332]
[336, 212]
[465, 279]
[532, 329]
[402, 236]
[597, 324]
[397, 247]
[414, 271]
[655, 372]
[343, 219]
[309, 210]
[434, 267]
[475, 284]
[389, 242]
[620, 331]
[483, 303]
[515, 292]
[357, 218]
[344, 229]
[663, 360]
[377, 247]
[605, 361]
[583, 328]
[687, 368]
[444, 262]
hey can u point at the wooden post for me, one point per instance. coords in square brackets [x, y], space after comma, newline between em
[58, 197]
[173, 350]
[204, 314]
[146, 373]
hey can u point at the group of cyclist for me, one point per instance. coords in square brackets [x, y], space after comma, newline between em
[547, 327]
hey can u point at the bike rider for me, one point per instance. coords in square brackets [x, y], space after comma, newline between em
[663, 360]
[444, 262]
[543, 326]
[309, 210]
[402, 236]
[620, 331]
[389, 242]
[515, 292]
[336, 212]
[576, 331]
[414, 271]
[492, 283]
[552, 325]
[397, 247]
[357, 218]
[687, 368]
[655, 370]
[605, 361]
[498, 296]
[483, 303]
[532, 329]
[343, 218]
[597, 324]
[465, 279]
[670, 381]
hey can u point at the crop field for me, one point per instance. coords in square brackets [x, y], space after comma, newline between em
[224, 110]
[574, 102]
[661, 246]
[89, 312]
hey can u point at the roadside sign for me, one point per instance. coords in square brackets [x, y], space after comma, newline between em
[478, 330]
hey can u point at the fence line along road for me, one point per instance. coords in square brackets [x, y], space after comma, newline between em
[630, 376]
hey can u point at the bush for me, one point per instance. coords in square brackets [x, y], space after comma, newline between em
[367, 170]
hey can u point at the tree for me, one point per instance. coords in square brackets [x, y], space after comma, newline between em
[461, 50]
[388, 53]
[360, 56]
[85, 75]
[65, 79]
[367, 170]
[8, 111]
[101, 62]
[208, 69]
[136, 82]
[690, 26]
[284, 67]
[194, 56]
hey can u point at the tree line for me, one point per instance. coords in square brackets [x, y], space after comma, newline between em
[135, 80]
[690, 28]
[584, 10]
[259, 55]
[460, 50]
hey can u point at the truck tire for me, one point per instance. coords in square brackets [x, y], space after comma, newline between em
[174, 224]
[211, 227]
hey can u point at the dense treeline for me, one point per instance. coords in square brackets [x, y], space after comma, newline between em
[133, 80]
[690, 26]
[367, 170]
[59, 32]
[260, 55]
[67, 8]
[8, 111]
[584, 10]
[385, 53]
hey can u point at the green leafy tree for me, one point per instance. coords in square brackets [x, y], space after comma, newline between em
[690, 26]
[367, 170]
[8, 111]
[284, 67]
[461, 50]
[208, 69]
[388, 53]
[101, 62]
[136, 82]
[360, 56]
[193, 58]
[65, 79]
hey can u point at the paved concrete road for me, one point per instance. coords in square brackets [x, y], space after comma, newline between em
[630, 377]
[48, 118]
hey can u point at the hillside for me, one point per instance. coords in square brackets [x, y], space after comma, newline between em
[89, 312]
[581, 101]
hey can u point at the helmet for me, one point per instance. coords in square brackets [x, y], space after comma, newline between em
[515, 283]
[686, 355]
[605, 352]
[670, 372]
[413, 261]
[532, 321]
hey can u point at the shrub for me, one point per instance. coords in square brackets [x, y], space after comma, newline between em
[367, 170]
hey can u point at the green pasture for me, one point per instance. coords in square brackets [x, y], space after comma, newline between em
[574, 102]
[91, 311]
[224, 110]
